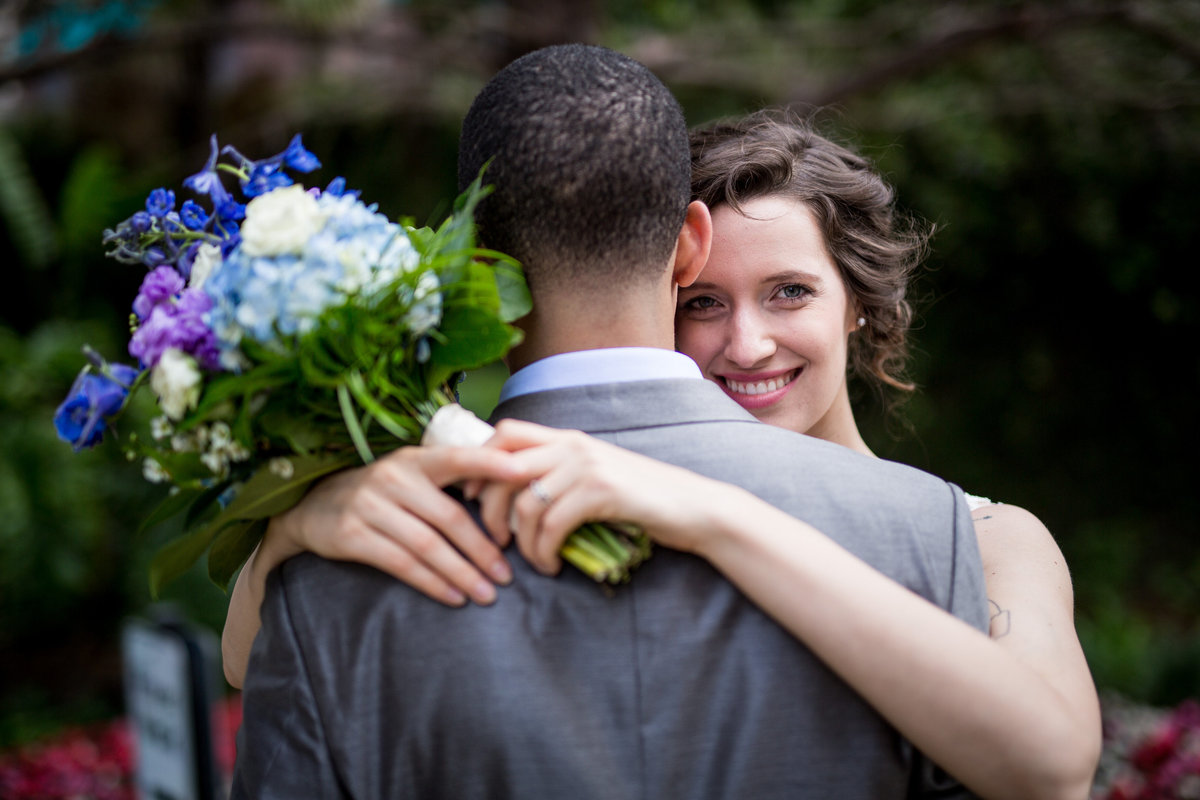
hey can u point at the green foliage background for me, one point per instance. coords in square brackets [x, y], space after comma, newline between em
[1055, 145]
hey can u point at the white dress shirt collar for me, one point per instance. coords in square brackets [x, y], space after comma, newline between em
[609, 365]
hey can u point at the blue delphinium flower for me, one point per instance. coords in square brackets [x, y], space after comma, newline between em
[229, 210]
[160, 202]
[299, 159]
[93, 400]
[208, 182]
[336, 187]
[160, 235]
[265, 176]
[193, 216]
[153, 257]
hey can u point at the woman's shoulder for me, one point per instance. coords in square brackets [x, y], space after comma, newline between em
[993, 516]
[1011, 537]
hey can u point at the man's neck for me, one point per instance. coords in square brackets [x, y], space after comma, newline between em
[567, 327]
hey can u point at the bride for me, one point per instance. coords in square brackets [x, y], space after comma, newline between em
[804, 285]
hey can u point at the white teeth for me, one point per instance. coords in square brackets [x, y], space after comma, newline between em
[760, 387]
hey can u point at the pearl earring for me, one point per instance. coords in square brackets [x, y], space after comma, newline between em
[862, 321]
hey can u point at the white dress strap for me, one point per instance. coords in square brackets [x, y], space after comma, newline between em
[974, 501]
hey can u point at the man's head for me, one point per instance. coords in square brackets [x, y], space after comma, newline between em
[589, 159]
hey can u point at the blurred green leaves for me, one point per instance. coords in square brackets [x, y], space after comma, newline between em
[67, 520]
[23, 208]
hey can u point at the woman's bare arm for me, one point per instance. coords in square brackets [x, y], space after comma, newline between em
[1015, 716]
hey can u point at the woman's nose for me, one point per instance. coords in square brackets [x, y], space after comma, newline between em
[750, 340]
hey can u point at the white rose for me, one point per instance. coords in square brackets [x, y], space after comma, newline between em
[456, 426]
[176, 381]
[208, 258]
[280, 222]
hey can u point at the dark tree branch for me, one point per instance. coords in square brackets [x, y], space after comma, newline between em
[925, 56]
[396, 40]
[1184, 46]
[479, 42]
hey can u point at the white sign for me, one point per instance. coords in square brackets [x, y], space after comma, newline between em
[159, 696]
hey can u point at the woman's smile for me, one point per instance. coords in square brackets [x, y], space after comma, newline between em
[753, 391]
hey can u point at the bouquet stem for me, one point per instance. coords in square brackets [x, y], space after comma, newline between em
[607, 552]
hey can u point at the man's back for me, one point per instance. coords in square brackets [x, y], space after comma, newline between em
[673, 686]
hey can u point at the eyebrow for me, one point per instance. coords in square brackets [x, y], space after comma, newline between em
[786, 276]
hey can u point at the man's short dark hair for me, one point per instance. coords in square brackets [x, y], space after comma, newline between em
[589, 159]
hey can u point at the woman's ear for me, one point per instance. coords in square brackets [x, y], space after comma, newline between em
[695, 242]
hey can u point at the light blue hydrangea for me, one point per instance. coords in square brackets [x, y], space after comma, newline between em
[354, 250]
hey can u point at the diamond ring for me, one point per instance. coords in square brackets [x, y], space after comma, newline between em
[539, 491]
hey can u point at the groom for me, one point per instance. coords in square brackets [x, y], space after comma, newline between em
[673, 686]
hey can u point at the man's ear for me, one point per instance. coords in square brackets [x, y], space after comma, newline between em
[695, 241]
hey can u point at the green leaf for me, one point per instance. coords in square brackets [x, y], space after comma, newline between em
[399, 427]
[223, 388]
[171, 506]
[515, 300]
[176, 557]
[472, 338]
[301, 435]
[352, 425]
[206, 502]
[266, 494]
[232, 547]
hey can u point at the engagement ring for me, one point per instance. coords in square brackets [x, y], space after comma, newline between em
[540, 492]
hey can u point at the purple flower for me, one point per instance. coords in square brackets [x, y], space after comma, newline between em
[159, 286]
[193, 215]
[93, 400]
[160, 202]
[178, 324]
[298, 158]
[141, 222]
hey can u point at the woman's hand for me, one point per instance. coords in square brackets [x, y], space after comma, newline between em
[583, 479]
[391, 515]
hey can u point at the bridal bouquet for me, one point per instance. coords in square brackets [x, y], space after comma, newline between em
[284, 338]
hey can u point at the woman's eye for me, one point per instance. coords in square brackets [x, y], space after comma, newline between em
[793, 291]
[701, 303]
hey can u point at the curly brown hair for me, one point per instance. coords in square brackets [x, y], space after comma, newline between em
[876, 247]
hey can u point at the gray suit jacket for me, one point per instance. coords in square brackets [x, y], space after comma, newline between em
[672, 686]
